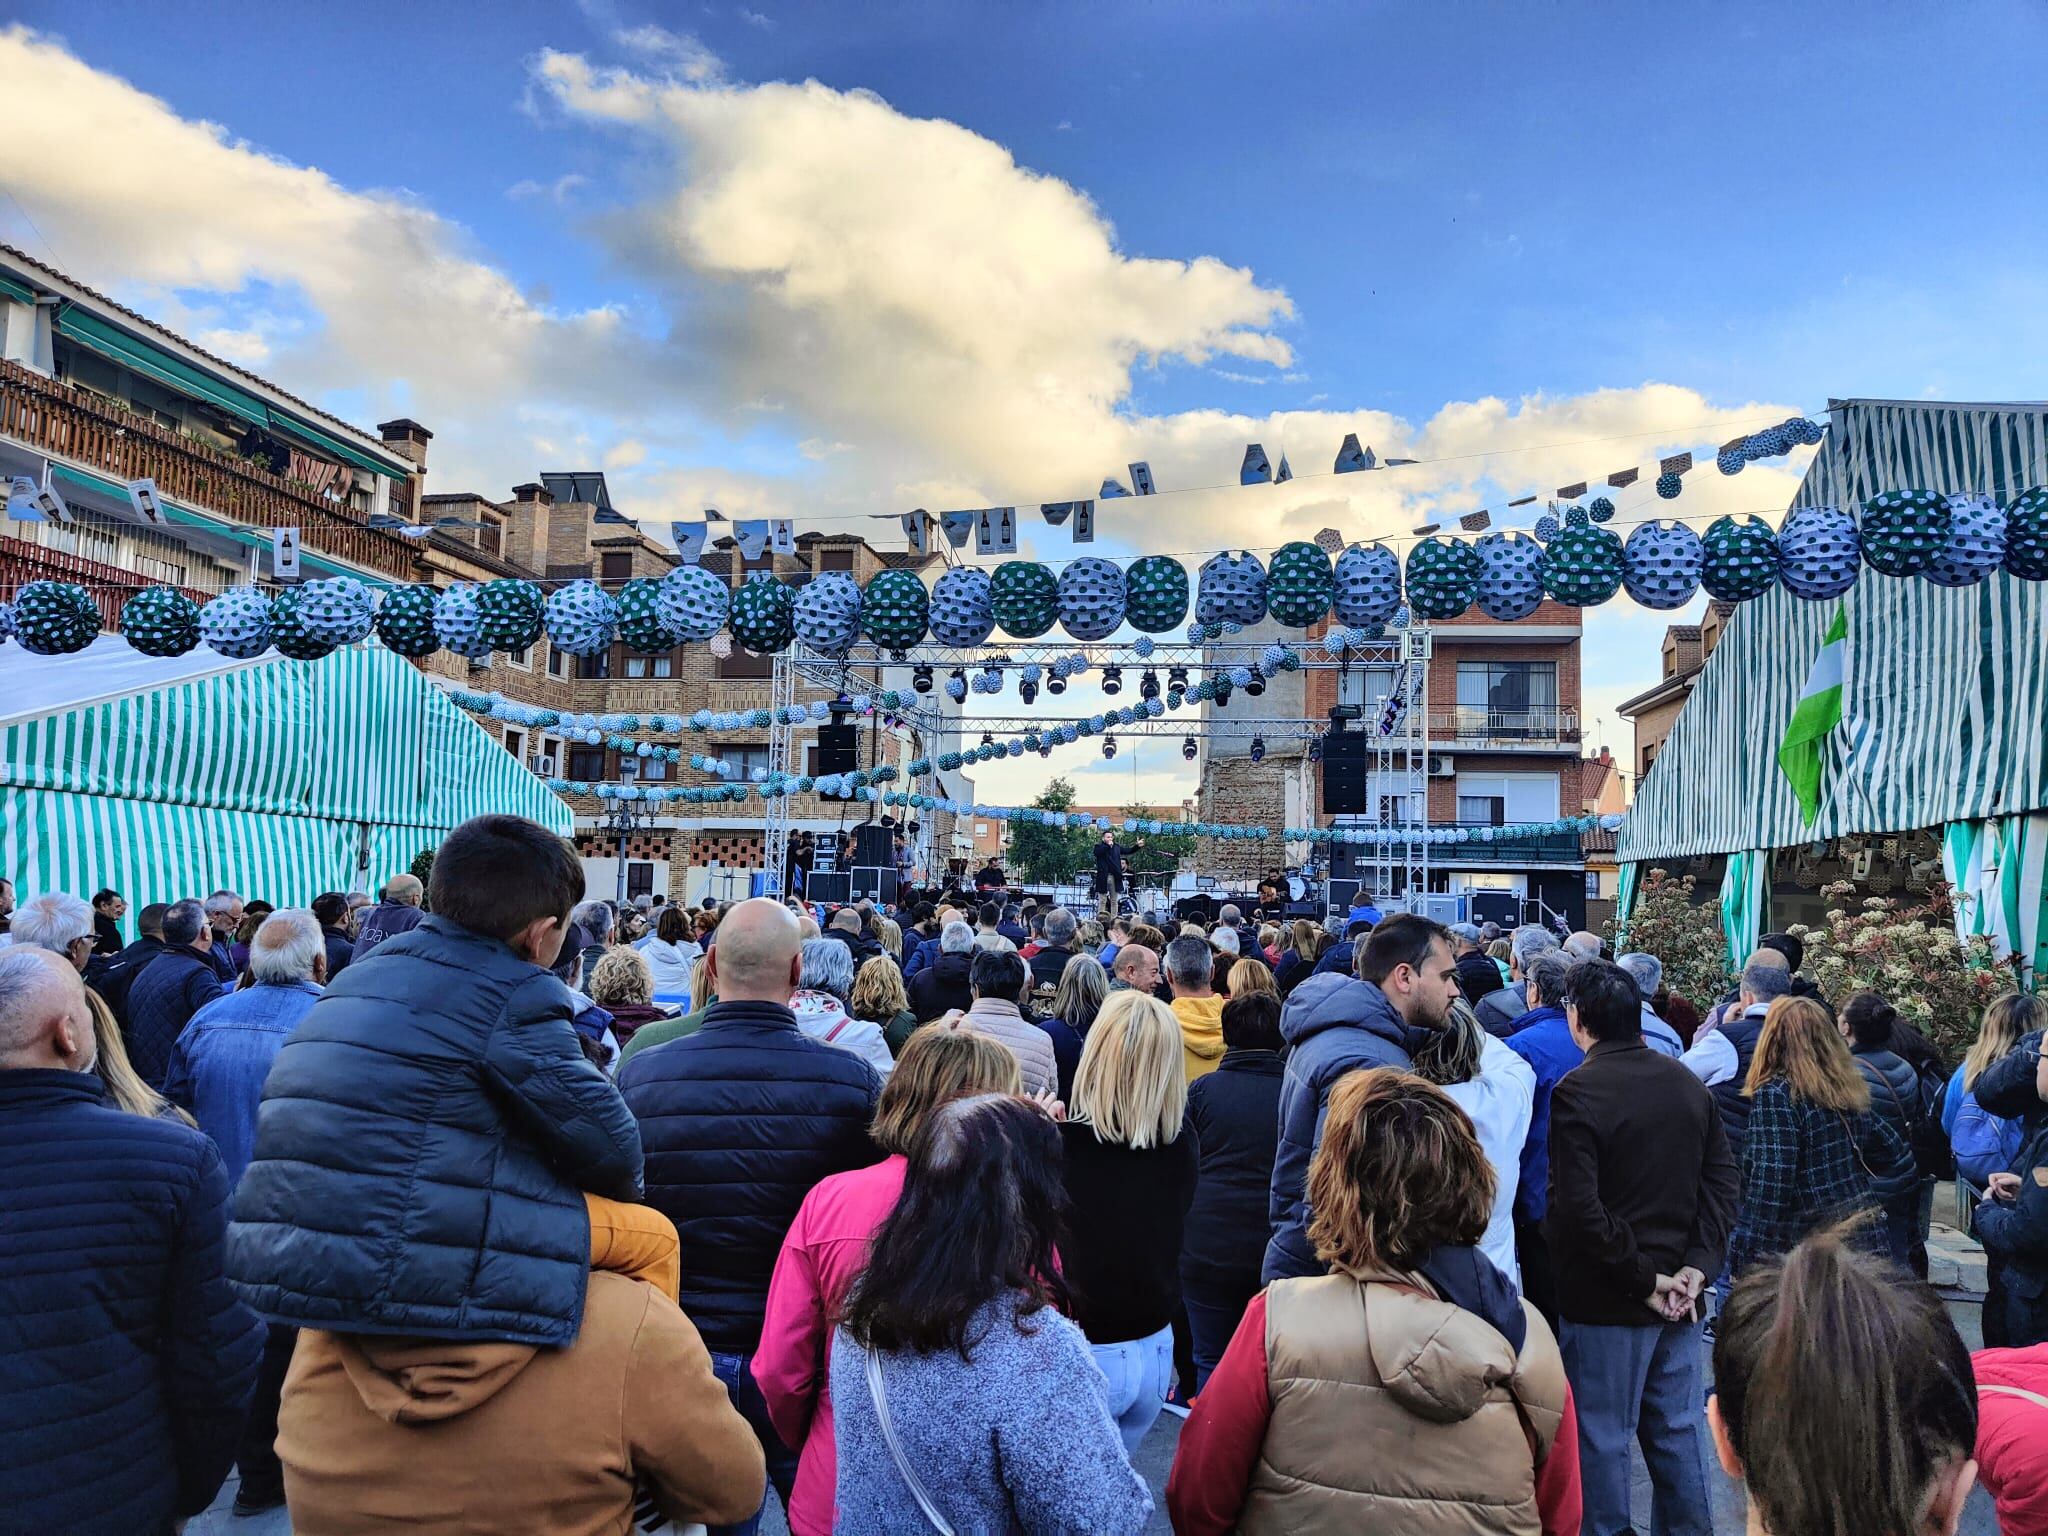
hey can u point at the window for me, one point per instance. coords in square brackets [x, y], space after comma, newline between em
[1507, 698]
[981, 829]
[599, 665]
[1592, 885]
[491, 537]
[586, 764]
[745, 758]
[515, 743]
[835, 559]
[522, 659]
[551, 749]
[745, 664]
[1482, 811]
[615, 566]
[639, 880]
[1367, 687]
[652, 767]
[651, 666]
[558, 662]
[1505, 799]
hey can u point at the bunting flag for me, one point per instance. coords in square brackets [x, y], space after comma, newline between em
[1056, 512]
[1111, 488]
[1286, 474]
[1351, 458]
[1621, 479]
[21, 501]
[1523, 501]
[752, 536]
[1084, 522]
[1141, 478]
[917, 531]
[1475, 522]
[1677, 464]
[1571, 492]
[957, 525]
[1330, 541]
[689, 539]
[782, 535]
[1803, 753]
[995, 531]
[1257, 469]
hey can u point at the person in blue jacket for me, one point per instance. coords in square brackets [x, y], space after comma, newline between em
[1543, 1038]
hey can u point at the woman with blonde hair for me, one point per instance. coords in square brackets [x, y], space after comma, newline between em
[1813, 1152]
[889, 934]
[622, 984]
[1305, 943]
[878, 997]
[1249, 976]
[126, 1090]
[1083, 986]
[1985, 1143]
[1130, 1177]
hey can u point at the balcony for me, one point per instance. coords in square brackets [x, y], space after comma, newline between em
[1506, 729]
[1521, 852]
[56, 419]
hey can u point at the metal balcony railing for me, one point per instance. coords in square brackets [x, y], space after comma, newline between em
[1472, 726]
[1546, 848]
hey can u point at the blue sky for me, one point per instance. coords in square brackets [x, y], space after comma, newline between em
[600, 233]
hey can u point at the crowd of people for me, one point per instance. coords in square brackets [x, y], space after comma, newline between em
[487, 1206]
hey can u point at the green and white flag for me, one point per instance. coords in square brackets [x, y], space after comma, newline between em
[1804, 749]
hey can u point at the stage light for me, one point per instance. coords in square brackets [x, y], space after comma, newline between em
[1258, 749]
[921, 679]
[1112, 679]
[1055, 683]
[1109, 746]
[1315, 749]
[1028, 691]
[1177, 677]
[1255, 687]
[1148, 685]
[988, 738]
[1187, 749]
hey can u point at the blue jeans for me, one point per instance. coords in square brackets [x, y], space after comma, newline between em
[736, 1371]
[1641, 1384]
[1138, 1372]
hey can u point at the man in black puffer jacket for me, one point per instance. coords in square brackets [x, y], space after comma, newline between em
[426, 1132]
[740, 1120]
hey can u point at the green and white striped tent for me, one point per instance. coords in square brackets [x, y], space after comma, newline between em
[1945, 697]
[174, 777]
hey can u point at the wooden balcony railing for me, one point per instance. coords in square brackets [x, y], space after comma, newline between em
[57, 419]
[22, 562]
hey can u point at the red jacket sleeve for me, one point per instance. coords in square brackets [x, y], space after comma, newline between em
[1219, 1444]
[1558, 1496]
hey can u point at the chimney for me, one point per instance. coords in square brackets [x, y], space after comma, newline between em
[406, 438]
[528, 528]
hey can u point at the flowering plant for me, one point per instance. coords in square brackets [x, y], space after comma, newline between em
[1670, 923]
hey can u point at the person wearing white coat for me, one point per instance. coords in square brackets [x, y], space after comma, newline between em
[820, 1005]
[672, 955]
[1497, 1089]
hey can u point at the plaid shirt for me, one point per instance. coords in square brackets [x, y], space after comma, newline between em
[1803, 1168]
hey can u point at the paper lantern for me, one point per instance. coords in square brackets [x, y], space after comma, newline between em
[1669, 485]
[55, 618]
[457, 625]
[693, 603]
[763, 615]
[895, 610]
[1442, 577]
[337, 610]
[1299, 584]
[581, 619]
[1231, 589]
[1660, 565]
[6, 622]
[160, 621]
[1155, 595]
[1091, 598]
[1976, 542]
[1730, 461]
[1600, 509]
[404, 621]
[1803, 431]
[1025, 598]
[1547, 528]
[2026, 534]
[1583, 566]
[1510, 578]
[641, 626]
[828, 613]
[1738, 559]
[1819, 554]
[961, 611]
[1904, 532]
[1367, 585]
[1576, 517]
[237, 623]
[288, 631]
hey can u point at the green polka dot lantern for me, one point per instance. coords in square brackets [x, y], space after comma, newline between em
[237, 623]
[1231, 589]
[288, 631]
[405, 620]
[6, 622]
[160, 621]
[1976, 542]
[763, 617]
[1582, 566]
[1442, 579]
[457, 624]
[1660, 565]
[2026, 535]
[1738, 559]
[1818, 553]
[1299, 584]
[828, 613]
[640, 622]
[694, 603]
[581, 619]
[337, 609]
[1510, 576]
[1367, 585]
[1155, 594]
[1091, 598]
[55, 618]
[1025, 598]
[962, 611]
[895, 610]
[1904, 532]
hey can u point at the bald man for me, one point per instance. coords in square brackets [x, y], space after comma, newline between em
[399, 912]
[123, 1321]
[739, 1120]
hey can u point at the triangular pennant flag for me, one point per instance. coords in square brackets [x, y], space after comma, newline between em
[1330, 541]
[1141, 478]
[782, 535]
[1473, 522]
[1111, 488]
[1677, 464]
[752, 534]
[917, 531]
[1285, 474]
[1351, 458]
[1427, 529]
[142, 496]
[957, 525]
[1571, 492]
[1084, 522]
[1621, 479]
[1055, 512]
[21, 501]
[415, 530]
[689, 539]
[995, 531]
[1257, 469]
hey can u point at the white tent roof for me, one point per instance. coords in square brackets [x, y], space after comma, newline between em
[109, 668]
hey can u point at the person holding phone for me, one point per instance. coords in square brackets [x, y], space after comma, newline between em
[2012, 1224]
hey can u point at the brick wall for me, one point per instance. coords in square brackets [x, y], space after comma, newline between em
[1238, 790]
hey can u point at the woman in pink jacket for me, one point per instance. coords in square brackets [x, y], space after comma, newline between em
[828, 1244]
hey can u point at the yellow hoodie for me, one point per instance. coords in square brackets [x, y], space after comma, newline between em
[1201, 1033]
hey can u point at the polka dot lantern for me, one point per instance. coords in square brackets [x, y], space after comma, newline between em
[895, 610]
[237, 623]
[1442, 578]
[289, 631]
[763, 616]
[1547, 528]
[1576, 517]
[1299, 584]
[1730, 461]
[6, 622]
[1976, 542]
[337, 610]
[1819, 553]
[828, 613]
[2026, 535]
[1366, 586]
[1582, 566]
[640, 622]
[1600, 509]
[1510, 576]
[1025, 598]
[160, 621]
[1091, 598]
[1155, 594]
[1660, 565]
[693, 603]
[1669, 485]
[404, 620]
[1904, 532]
[511, 614]
[457, 624]
[55, 618]
[1738, 559]
[1231, 589]
[581, 619]
[962, 613]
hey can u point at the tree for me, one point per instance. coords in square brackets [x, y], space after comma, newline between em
[1051, 855]
[423, 871]
[1163, 851]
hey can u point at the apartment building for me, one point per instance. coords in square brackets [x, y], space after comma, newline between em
[1684, 656]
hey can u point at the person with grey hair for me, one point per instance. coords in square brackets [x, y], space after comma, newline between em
[170, 989]
[224, 911]
[823, 987]
[1190, 976]
[59, 923]
[1720, 1055]
[849, 932]
[1050, 963]
[1583, 946]
[1477, 975]
[1542, 1038]
[399, 912]
[1648, 972]
[1500, 1012]
[948, 982]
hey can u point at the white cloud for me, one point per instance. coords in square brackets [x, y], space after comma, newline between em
[676, 55]
[627, 453]
[247, 347]
[757, 19]
[560, 190]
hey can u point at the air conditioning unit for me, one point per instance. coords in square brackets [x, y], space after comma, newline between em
[1442, 767]
[542, 764]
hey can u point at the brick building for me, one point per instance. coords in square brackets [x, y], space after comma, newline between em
[1684, 655]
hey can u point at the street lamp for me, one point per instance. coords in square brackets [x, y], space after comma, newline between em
[626, 818]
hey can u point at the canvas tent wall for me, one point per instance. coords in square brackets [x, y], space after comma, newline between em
[174, 777]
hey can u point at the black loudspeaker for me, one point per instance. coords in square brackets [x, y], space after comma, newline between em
[829, 890]
[873, 884]
[836, 749]
[873, 844]
[1347, 773]
[1342, 895]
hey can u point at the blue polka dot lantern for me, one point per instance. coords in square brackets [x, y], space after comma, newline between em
[1583, 566]
[1442, 578]
[1600, 509]
[763, 616]
[457, 624]
[1367, 585]
[160, 621]
[2026, 535]
[693, 603]
[288, 629]
[828, 613]
[1669, 485]
[1660, 565]
[1299, 584]
[1904, 532]
[1231, 589]
[962, 611]
[1730, 460]
[1738, 559]
[640, 622]
[55, 618]
[1510, 578]
[895, 610]
[237, 623]
[337, 609]
[404, 621]
[1576, 517]
[581, 619]
[1976, 542]
[1091, 598]
[1155, 594]
[1547, 528]
[1819, 554]
[1025, 598]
